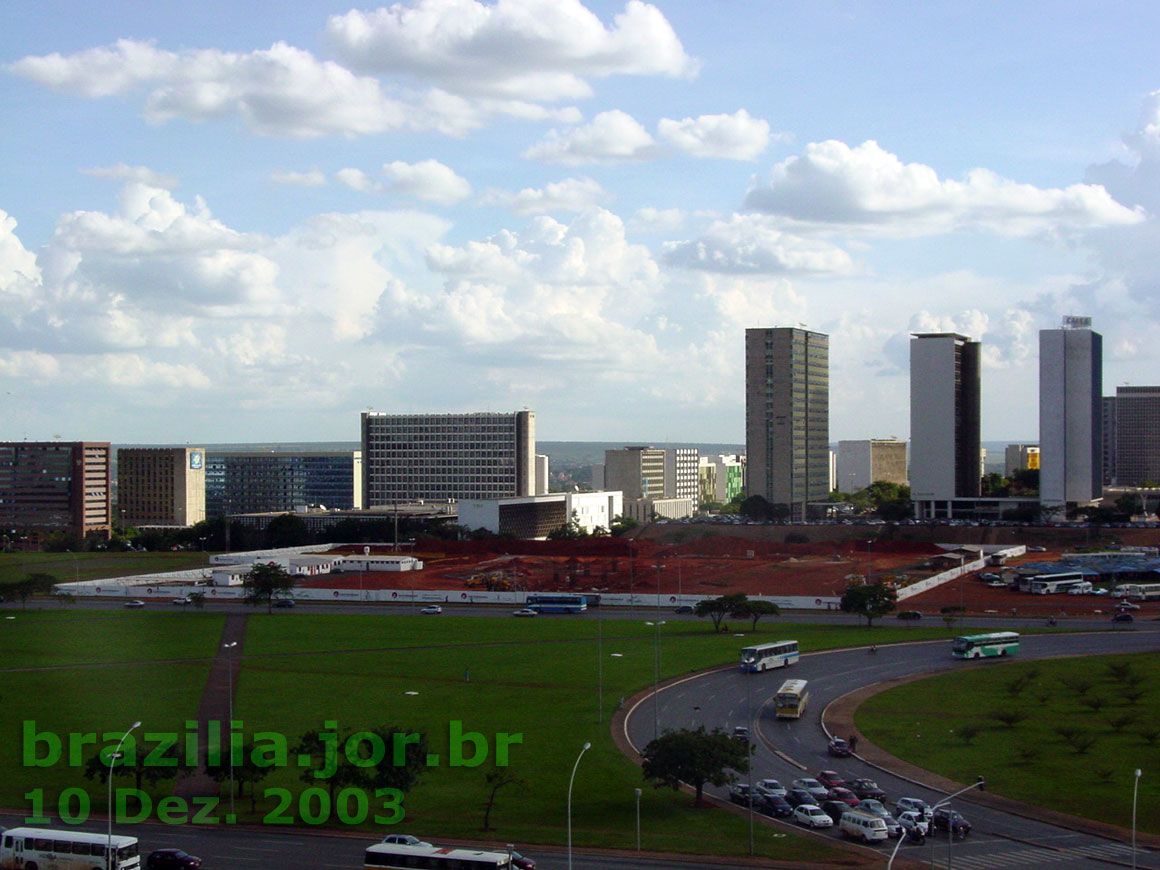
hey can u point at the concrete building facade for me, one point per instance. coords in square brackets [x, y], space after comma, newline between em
[255, 482]
[637, 472]
[535, 517]
[787, 417]
[861, 463]
[161, 486]
[56, 486]
[945, 435]
[1017, 456]
[1137, 436]
[408, 457]
[1070, 414]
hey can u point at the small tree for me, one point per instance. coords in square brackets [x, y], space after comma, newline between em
[265, 581]
[245, 771]
[871, 600]
[621, 524]
[33, 584]
[1008, 717]
[717, 608]
[758, 609]
[494, 780]
[694, 756]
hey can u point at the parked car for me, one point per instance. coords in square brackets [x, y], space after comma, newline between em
[912, 820]
[136, 602]
[997, 584]
[875, 807]
[522, 862]
[945, 818]
[799, 796]
[741, 793]
[1122, 617]
[867, 828]
[866, 788]
[812, 786]
[404, 840]
[770, 788]
[776, 806]
[830, 778]
[839, 748]
[987, 575]
[835, 809]
[431, 610]
[171, 859]
[524, 611]
[917, 805]
[840, 793]
[812, 816]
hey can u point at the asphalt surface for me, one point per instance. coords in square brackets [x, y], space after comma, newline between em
[789, 749]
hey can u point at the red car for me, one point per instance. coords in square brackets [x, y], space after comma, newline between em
[839, 748]
[830, 779]
[171, 859]
[522, 863]
[844, 795]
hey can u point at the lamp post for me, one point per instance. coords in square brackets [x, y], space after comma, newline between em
[1135, 794]
[749, 745]
[656, 673]
[229, 648]
[572, 779]
[636, 791]
[599, 665]
[116, 754]
[980, 784]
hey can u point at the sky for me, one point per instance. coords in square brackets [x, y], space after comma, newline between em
[232, 222]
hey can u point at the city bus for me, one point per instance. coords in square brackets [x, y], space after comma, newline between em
[977, 646]
[791, 699]
[769, 655]
[1139, 591]
[67, 850]
[556, 603]
[1052, 584]
[429, 857]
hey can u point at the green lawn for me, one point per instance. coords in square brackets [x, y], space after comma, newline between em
[1041, 756]
[69, 567]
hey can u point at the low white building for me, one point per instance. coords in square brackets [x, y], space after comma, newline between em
[378, 563]
[535, 517]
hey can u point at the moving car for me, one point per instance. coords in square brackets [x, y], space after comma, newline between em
[1126, 605]
[812, 816]
[683, 608]
[913, 821]
[909, 614]
[839, 748]
[1122, 617]
[830, 778]
[404, 840]
[866, 788]
[136, 602]
[431, 610]
[171, 859]
[186, 600]
[522, 862]
[741, 732]
[524, 611]
[945, 818]
[284, 602]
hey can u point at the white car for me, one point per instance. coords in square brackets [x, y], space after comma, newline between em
[812, 786]
[770, 788]
[911, 820]
[183, 601]
[136, 602]
[405, 840]
[432, 610]
[812, 816]
[524, 611]
[913, 805]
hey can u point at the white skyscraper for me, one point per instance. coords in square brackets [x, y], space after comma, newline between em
[1070, 415]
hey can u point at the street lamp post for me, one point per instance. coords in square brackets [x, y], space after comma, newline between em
[229, 648]
[116, 754]
[1135, 794]
[599, 665]
[572, 779]
[636, 791]
[753, 735]
[980, 784]
[656, 674]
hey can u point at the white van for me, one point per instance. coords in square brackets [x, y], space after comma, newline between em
[863, 826]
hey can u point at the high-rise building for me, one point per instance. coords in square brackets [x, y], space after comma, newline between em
[1070, 413]
[55, 486]
[787, 417]
[945, 401]
[253, 482]
[636, 472]
[722, 478]
[1108, 439]
[681, 473]
[161, 486]
[408, 457]
[1137, 436]
[861, 463]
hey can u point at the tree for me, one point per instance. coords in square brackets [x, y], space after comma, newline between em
[265, 581]
[494, 780]
[569, 531]
[349, 761]
[756, 508]
[717, 608]
[871, 600]
[287, 530]
[694, 756]
[247, 770]
[758, 609]
[621, 524]
[33, 584]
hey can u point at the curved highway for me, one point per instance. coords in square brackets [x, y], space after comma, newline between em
[788, 749]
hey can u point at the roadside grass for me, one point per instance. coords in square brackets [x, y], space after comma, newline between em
[1065, 734]
[70, 567]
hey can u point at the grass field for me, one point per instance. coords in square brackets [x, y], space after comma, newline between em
[70, 567]
[1065, 734]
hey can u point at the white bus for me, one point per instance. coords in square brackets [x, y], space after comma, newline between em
[433, 858]
[1051, 584]
[769, 655]
[66, 850]
[791, 699]
[978, 646]
[1139, 591]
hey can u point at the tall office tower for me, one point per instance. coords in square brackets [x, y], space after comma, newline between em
[945, 398]
[1137, 436]
[636, 472]
[681, 473]
[1016, 456]
[55, 486]
[1108, 440]
[787, 416]
[161, 486]
[1070, 413]
[408, 457]
[253, 482]
[861, 463]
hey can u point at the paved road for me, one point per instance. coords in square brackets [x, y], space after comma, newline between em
[790, 749]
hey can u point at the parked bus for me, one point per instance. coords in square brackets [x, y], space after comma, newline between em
[769, 655]
[557, 603]
[977, 646]
[67, 850]
[791, 699]
[1052, 584]
[1139, 591]
[432, 858]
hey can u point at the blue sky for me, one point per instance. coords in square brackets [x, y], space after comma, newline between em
[233, 222]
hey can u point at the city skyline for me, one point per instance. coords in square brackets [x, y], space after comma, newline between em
[219, 225]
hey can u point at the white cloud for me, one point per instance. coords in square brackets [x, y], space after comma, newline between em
[657, 220]
[611, 137]
[143, 174]
[19, 274]
[312, 178]
[734, 137]
[570, 194]
[356, 179]
[537, 50]
[428, 180]
[751, 244]
[870, 189]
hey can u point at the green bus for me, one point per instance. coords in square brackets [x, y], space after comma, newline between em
[977, 646]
